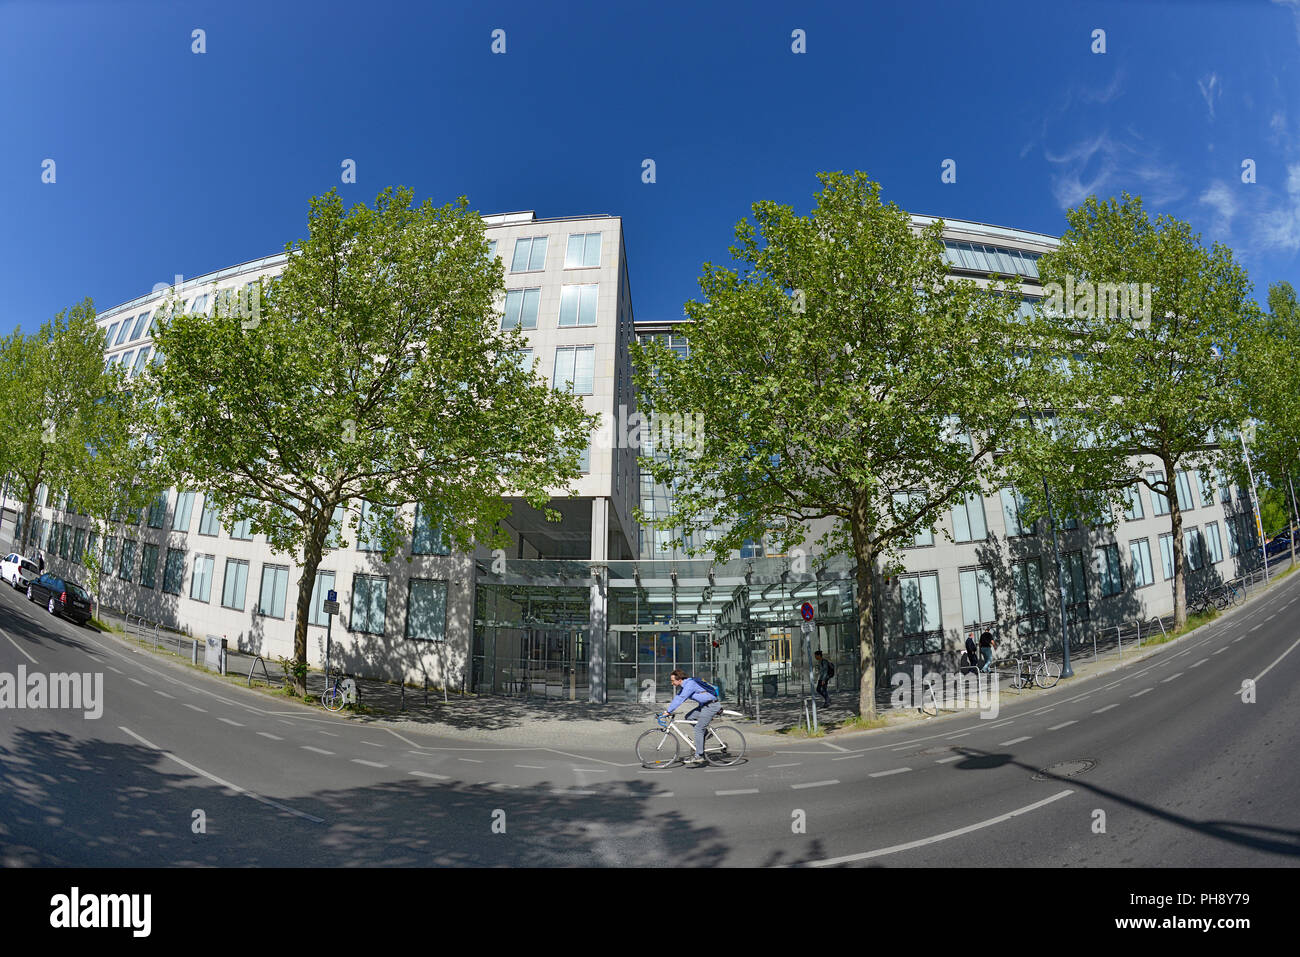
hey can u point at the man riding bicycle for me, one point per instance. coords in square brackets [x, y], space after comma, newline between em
[707, 707]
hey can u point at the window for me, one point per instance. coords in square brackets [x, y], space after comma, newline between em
[521, 308]
[1167, 554]
[1027, 577]
[1159, 502]
[1213, 544]
[1184, 486]
[578, 305]
[426, 610]
[149, 566]
[369, 604]
[236, 584]
[1013, 506]
[492, 248]
[138, 331]
[242, 530]
[370, 528]
[127, 564]
[921, 618]
[1140, 552]
[1076, 586]
[904, 504]
[126, 360]
[200, 304]
[977, 606]
[584, 460]
[108, 338]
[1133, 496]
[184, 505]
[427, 538]
[524, 359]
[1106, 566]
[78, 546]
[1234, 533]
[1192, 549]
[323, 586]
[1225, 489]
[158, 511]
[210, 521]
[110, 552]
[1207, 488]
[575, 369]
[584, 250]
[91, 542]
[201, 585]
[530, 255]
[65, 540]
[122, 334]
[335, 537]
[174, 571]
[141, 358]
[275, 584]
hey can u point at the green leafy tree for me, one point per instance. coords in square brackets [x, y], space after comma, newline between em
[843, 381]
[1142, 389]
[373, 371]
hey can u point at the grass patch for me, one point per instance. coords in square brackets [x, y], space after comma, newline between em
[859, 723]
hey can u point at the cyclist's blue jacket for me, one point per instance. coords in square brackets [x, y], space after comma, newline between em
[695, 691]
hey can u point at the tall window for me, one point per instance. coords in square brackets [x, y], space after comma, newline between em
[1213, 544]
[369, 604]
[1106, 566]
[184, 505]
[426, 610]
[201, 584]
[275, 584]
[78, 546]
[236, 584]
[1013, 512]
[1184, 486]
[977, 605]
[370, 528]
[125, 567]
[210, 521]
[1139, 551]
[578, 305]
[427, 538]
[174, 571]
[1192, 549]
[138, 330]
[1167, 554]
[1027, 578]
[584, 250]
[921, 618]
[521, 308]
[575, 369]
[158, 511]
[319, 591]
[530, 255]
[149, 566]
[1159, 503]
[242, 529]
[1133, 501]
[904, 504]
[1076, 586]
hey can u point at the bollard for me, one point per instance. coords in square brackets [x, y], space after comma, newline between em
[402, 703]
[814, 714]
[426, 691]
[194, 652]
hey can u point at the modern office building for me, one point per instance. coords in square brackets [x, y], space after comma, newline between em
[595, 606]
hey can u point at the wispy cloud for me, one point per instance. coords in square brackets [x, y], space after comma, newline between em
[1104, 164]
[1269, 218]
[1294, 6]
[1211, 89]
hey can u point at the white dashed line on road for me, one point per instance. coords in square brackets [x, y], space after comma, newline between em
[835, 746]
[229, 722]
[960, 735]
[373, 745]
[738, 791]
[955, 757]
[532, 767]
[369, 764]
[308, 747]
[849, 757]
[792, 765]
[1065, 724]
[1003, 723]
[1007, 744]
[1198, 664]
[885, 774]
[194, 707]
[138, 681]
[330, 733]
[428, 774]
[268, 734]
[1141, 693]
[1107, 708]
[165, 694]
[1176, 674]
[1221, 650]
[813, 784]
[470, 760]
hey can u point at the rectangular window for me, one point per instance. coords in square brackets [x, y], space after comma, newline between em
[323, 586]
[575, 369]
[1192, 549]
[530, 255]
[335, 537]
[201, 585]
[1133, 499]
[158, 511]
[122, 333]
[977, 605]
[174, 571]
[1167, 554]
[1076, 586]
[492, 248]
[1027, 578]
[79, 546]
[369, 604]
[149, 566]
[275, 585]
[1234, 533]
[521, 308]
[108, 338]
[922, 620]
[236, 584]
[242, 530]
[968, 523]
[141, 358]
[370, 528]
[905, 503]
[1184, 487]
[1106, 567]
[427, 538]
[92, 542]
[524, 359]
[127, 564]
[1225, 488]
[578, 305]
[1159, 502]
[584, 250]
[210, 521]
[184, 505]
[138, 331]
[426, 610]
[65, 540]
[1213, 544]
[1207, 488]
[1139, 551]
[1013, 506]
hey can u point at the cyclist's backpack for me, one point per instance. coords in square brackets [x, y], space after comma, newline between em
[709, 688]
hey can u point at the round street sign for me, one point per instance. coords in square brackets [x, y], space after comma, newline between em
[806, 609]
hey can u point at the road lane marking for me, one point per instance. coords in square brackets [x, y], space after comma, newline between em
[792, 765]
[835, 746]
[165, 694]
[1058, 727]
[1107, 708]
[867, 855]
[115, 671]
[1176, 674]
[849, 757]
[400, 738]
[532, 767]
[955, 757]
[330, 733]
[229, 722]
[1221, 650]
[1199, 663]
[268, 734]
[22, 652]
[813, 784]
[194, 707]
[138, 681]
[308, 747]
[373, 745]
[1270, 667]
[737, 791]
[470, 760]
[430, 774]
[885, 774]
[225, 784]
[1141, 693]
[1007, 744]
[369, 764]
[560, 793]
[960, 735]
[1002, 723]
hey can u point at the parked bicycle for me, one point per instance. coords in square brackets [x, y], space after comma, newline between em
[660, 747]
[334, 697]
[1222, 596]
[1039, 670]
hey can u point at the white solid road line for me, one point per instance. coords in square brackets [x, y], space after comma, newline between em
[867, 855]
[813, 784]
[400, 738]
[22, 652]
[835, 746]
[429, 774]
[223, 783]
[1270, 667]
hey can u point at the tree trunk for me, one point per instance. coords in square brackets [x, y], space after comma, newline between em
[1176, 527]
[866, 559]
[311, 560]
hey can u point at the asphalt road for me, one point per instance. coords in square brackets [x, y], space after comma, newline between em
[182, 769]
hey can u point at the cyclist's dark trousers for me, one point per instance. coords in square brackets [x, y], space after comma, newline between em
[703, 715]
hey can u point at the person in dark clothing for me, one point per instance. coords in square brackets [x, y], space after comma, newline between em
[987, 644]
[972, 654]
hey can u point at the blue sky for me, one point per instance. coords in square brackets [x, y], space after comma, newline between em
[170, 162]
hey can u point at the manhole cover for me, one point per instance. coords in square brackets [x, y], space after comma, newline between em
[1066, 769]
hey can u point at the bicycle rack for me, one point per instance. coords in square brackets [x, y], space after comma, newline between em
[264, 671]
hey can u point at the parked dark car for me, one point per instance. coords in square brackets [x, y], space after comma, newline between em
[1280, 544]
[61, 596]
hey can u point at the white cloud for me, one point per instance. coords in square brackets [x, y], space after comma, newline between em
[1104, 165]
[1211, 90]
[1224, 202]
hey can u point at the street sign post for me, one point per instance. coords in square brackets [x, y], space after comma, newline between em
[331, 608]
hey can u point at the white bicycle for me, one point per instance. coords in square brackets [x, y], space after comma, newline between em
[662, 746]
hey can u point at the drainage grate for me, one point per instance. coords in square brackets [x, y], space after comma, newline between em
[1066, 769]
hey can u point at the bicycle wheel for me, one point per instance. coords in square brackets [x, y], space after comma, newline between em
[1047, 674]
[1238, 595]
[657, 749]
[332, 699]
[724, 746]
